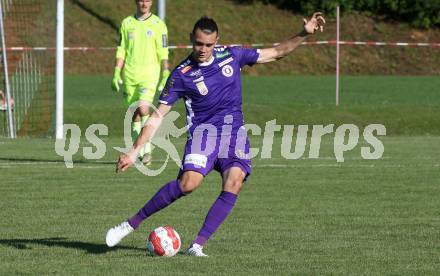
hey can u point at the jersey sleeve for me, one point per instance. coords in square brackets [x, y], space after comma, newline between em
[174, 89]
[246, 56]
[162, 42]
[120, 51]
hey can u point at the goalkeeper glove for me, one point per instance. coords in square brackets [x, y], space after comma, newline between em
[163, 80]
[116, 79]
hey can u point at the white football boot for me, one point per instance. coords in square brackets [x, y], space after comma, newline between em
[117, 233]
[195, 250]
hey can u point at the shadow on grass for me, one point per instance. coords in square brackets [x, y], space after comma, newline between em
[91, 248]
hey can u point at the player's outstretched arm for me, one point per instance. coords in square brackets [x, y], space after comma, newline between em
[284, 48]
[126, 160]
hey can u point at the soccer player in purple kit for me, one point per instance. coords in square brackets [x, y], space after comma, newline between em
[209, 82]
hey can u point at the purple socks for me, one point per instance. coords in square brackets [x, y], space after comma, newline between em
[216, 215]
[171, 192]
[164, 197]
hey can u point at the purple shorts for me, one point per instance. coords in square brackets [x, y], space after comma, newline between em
[204, 153]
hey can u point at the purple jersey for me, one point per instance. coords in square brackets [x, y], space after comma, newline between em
[211, 90]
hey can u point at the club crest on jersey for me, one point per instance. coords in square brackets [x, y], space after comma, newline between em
[201, 86]
[149, 33]
[227, 71]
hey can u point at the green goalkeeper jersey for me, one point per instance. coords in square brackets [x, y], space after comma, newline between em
[143, 45]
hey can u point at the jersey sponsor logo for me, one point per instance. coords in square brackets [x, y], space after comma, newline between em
[219, 48]
[186, 69]
[166, 90]
[199, 79]
[203, 89]
[196, 159]
[149, 33]
[226, 61]
[196, 73]
[222, 55]
[227, 71]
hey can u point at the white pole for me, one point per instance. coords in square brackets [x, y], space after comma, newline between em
[12, 133]
[161, 9]
[337, 55]
[60, 71]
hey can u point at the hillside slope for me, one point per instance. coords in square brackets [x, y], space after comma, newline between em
[93, 23]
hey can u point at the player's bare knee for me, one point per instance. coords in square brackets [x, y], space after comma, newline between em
[144, 109]
[187, 187]
[190, 182]
[144, 112]
[233, 186]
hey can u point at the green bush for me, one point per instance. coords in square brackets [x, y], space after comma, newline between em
[420, 13]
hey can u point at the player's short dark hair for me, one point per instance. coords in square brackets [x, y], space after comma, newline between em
[206, 25]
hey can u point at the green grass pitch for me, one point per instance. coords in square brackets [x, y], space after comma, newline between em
[305, 216]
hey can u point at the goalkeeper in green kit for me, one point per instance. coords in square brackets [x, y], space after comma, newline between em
[141, 65]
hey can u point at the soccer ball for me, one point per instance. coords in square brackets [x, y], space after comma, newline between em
[163, 241]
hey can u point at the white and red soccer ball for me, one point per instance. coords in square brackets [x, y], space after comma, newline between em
[164, 241]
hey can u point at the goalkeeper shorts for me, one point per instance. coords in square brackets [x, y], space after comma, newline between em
[141, 91]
